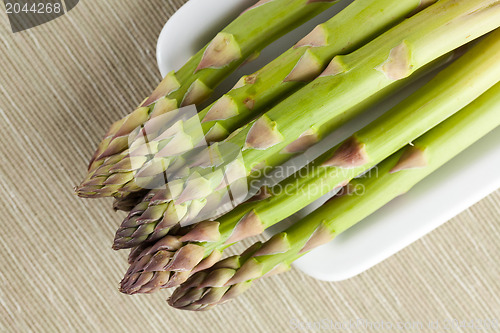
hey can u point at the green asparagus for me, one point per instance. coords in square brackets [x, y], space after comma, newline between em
[396, 175]
[345, 32]
[169, 209]
[341, 91]
[172, 258]
[157, 214]
[253, 30]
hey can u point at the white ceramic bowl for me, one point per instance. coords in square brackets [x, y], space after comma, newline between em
[453, 188]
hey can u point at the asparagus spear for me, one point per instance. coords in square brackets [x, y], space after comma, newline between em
[451, 90]
[340, 92]
[396, 175]
[253, 30]
[347, 31]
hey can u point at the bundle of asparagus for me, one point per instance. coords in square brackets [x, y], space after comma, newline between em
[159, 207]
[345, 32]
[396, 175]
[242, 39]
[154, 217]
[339, 69]
[173, 258]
